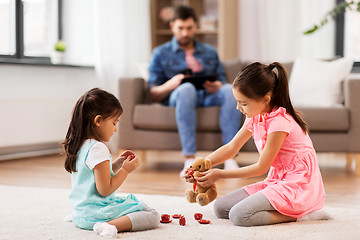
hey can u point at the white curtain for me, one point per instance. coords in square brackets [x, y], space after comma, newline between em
[122, 39]
[273, 30]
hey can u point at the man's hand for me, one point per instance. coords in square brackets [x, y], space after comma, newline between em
[212, 87]
[174, 82]
[159, 93]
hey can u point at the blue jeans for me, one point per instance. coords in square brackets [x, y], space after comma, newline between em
[185, 98]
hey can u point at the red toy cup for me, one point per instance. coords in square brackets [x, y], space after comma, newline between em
[165, 217]
[198, 216]
[182, 221]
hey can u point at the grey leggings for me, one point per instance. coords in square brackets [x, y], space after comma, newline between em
[243, 209]
[146, 219]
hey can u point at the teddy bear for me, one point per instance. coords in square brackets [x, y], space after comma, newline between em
[202, 195]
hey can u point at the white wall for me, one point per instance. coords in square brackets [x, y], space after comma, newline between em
[78, 31]
[36, 101]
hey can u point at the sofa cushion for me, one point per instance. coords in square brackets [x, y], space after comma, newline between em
[232, 68]
[159, 117]
[326, 119]
[315, 83]
[162, 118]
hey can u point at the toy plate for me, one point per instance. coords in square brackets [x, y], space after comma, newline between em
[166, 221]
[203, 221]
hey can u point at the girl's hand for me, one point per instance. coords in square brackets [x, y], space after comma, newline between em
[130, 164]
[189, 178]
[208, 177]
[117, 163]
[126, 154]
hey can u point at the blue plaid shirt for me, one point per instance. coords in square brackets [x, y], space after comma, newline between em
[168, 60]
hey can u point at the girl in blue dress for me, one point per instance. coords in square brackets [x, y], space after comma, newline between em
[95, 177]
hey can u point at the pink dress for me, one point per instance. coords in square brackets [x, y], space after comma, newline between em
[294, 185]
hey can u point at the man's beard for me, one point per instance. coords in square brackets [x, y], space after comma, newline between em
[185, 43]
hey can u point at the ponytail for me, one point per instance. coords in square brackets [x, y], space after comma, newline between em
[281, 97]
[257, 79]
[79, 129]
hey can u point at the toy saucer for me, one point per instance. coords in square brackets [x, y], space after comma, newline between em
[169, 221]
[203, 221]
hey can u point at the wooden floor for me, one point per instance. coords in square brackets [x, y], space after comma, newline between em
[342, 187]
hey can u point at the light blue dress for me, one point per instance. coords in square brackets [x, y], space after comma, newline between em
[89, 207]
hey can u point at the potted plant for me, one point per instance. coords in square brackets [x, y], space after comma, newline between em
[58, 55]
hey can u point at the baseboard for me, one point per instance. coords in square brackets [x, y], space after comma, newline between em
[30, 150]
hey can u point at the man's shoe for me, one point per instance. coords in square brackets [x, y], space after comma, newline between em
[230, 164]
[187, 164]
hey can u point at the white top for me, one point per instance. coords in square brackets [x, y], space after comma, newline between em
[98, 153]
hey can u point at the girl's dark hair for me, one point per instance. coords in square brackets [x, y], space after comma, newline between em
[257, 79]
[92, 103]
[184, 12]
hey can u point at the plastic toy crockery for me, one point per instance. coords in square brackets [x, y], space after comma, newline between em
[203, 221]
[177, 216]
[165, 218]
[182, 221]
[198, 216]
[190, 173]
[127, 154]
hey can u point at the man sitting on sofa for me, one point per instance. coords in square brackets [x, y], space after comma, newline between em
[167, 66]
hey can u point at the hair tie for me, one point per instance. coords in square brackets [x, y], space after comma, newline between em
[271, 66]
[276, 80]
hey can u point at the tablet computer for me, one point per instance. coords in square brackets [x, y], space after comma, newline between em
[198, 81]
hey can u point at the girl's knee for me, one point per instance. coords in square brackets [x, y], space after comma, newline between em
[220, 210]
[149, 218]
[249, 218]
[237, 219]
[154, 219]
[240, 217]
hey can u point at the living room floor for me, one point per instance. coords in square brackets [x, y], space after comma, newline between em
[162, 177]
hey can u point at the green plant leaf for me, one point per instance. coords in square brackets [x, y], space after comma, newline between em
[340, 8]
[311, 30]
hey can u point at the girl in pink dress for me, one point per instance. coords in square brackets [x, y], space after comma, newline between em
[293, 189]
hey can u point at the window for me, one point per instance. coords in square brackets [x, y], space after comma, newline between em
[29, 29]
[7, 27]
[348, 35]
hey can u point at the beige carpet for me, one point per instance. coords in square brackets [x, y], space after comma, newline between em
[37, 213]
